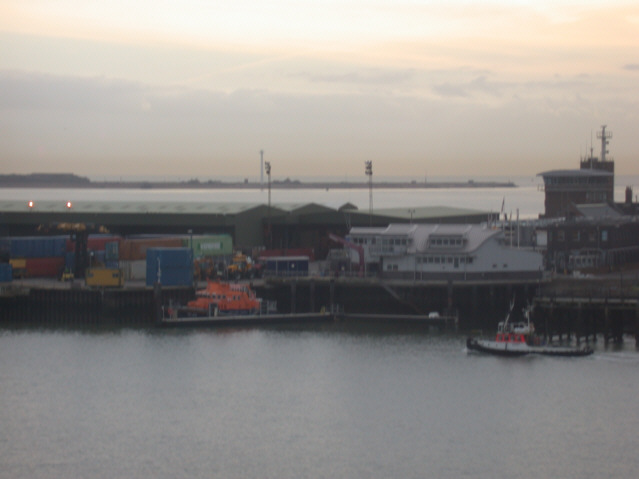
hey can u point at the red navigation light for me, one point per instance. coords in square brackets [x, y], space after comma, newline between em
[69, 204]
[30, 204]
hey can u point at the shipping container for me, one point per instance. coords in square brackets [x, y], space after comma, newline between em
[5, 249]
[286, 266]
[135, 249]
[38, 247]
[104, 277]
[133, 270]
[44, 267]
[100, 242]
[171, 266]
[69, 261]
[95, 242]
[112, 251]
[113, 264]
[6, 272]
[97, 258]
[209, 246]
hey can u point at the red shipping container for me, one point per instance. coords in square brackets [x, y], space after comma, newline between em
[94, 243]
[135, 249]
[44, 267]
[99, 243]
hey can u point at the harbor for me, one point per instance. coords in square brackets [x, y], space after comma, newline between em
[565, 309]
[438, 265]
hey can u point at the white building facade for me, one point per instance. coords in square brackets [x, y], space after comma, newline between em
[443, 251]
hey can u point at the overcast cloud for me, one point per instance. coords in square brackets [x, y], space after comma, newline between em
[436, 104]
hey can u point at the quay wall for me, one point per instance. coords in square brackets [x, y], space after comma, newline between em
[562, 309]
[83, 307]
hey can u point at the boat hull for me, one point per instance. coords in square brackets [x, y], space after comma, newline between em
[519, 349]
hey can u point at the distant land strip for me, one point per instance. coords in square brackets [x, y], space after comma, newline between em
[69, 180]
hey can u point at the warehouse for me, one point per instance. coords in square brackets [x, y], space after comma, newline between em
[250, 225]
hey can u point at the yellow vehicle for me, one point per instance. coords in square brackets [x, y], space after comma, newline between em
[19, 266]
[104, 277]
[243, 266]
[67, 275]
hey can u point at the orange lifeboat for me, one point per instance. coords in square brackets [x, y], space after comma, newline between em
[224, 299]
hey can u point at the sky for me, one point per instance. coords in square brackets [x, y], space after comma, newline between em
[422, 88]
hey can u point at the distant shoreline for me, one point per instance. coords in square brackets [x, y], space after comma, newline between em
[67, 180]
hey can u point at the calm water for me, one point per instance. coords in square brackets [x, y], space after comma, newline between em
[337, 401]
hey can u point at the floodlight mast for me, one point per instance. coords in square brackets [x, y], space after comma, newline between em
[369, 173]
[267, 167]
[261, 169]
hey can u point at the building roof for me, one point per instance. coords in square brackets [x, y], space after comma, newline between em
[584, 173]
[115, 207]
[598, 210]
[427, 212]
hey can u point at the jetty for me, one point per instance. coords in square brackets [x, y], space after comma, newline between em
[68, 180]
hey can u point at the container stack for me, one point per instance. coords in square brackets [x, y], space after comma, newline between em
[169, 266]
[50, 256]
[37, 257]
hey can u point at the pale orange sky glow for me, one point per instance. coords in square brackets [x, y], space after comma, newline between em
[419, 87]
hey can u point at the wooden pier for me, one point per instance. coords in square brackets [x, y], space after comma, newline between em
[587, 317]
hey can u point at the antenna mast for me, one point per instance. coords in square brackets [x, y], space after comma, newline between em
[604, 136]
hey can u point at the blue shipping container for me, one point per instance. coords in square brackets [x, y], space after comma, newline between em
[69, 261]
[5, 247]
[112, 251]
[175, 266]
[6, 272]
[38, 247]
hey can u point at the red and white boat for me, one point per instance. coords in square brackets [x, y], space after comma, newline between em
[519, 339]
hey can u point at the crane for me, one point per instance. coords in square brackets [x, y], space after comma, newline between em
[351, 245]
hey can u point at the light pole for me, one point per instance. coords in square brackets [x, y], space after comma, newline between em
[369, 173]
[267, 167]
[190, 232]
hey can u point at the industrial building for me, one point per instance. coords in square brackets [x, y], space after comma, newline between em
[592, 183]
[442, 252]
[249, 225]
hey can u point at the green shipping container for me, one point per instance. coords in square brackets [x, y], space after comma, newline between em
[215, 245]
